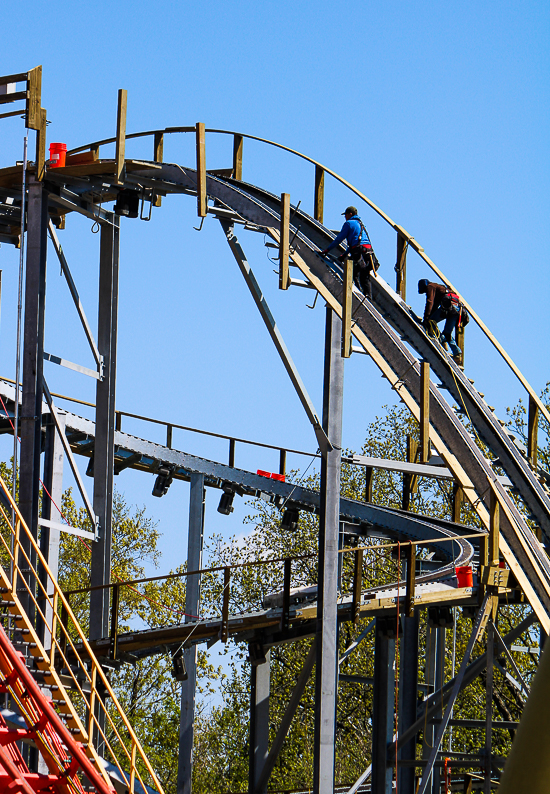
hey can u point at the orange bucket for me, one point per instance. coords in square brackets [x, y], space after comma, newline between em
[465, 576]
[58, 153]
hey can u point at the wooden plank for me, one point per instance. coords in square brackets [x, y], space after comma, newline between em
[424, 411]
[34, 101]
[6, 79]
[158, 147]
[357, 586]
[401, 266]
[5, 99]
[369, 472]
[202, 199]
[224, 630]
[285, 613]
[284, 278]
[458, 498]
[494, 530]
[347, 299]
[120, 151]
[81, 159]
[460, 342]
[41, 146]
[410, 552]
[238, 157]
[319, 195]
[532, 432]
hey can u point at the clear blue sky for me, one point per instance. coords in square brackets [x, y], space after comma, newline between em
[437, 111]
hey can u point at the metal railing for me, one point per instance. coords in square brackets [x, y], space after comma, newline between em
[404, 239]
[61, 651]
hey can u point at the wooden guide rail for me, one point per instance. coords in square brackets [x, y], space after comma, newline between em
[404, 239]
[32, 589]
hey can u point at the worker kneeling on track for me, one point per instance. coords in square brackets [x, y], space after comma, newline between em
[359, 250]
[443, 304]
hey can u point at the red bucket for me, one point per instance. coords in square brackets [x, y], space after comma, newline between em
[58, 153]
[465, 576]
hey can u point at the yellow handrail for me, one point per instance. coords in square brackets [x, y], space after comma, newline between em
[95, 677]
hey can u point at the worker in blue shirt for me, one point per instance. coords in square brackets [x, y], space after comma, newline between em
[359, 250]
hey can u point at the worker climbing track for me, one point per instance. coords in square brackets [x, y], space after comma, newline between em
[55, 674]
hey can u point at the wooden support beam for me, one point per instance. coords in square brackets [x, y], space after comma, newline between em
[424, 412]
[34, 99]
[120, 151]
[369, 472]
[319, 196]
[282, 461]
[169, 433]
[158, 154]
[346, 308]
[460, 342]
[284, 278]
[202, 198]
[41, 146]
[238, 157]
[410, 553]
[224, 630]
[357, 586]
[114, 620]
[458, 498]
[285, 615]
[532, 432]
[95, 152]
[401, 266]
[494, 530]
[232, 452]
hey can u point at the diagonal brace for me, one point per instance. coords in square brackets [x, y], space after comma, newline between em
[237, 251]
[72, 462]
[76, 298]
[356, 641]
[479, 622]
[287, 719]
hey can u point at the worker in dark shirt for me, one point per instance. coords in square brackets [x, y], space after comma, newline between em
[440, 307]
[359, 250]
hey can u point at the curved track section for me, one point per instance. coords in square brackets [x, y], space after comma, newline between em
[387, 330]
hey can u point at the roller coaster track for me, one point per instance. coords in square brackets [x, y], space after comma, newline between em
[386, 329]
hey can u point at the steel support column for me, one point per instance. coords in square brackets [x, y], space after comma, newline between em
[33, 349]
[105, 425]
[382, 708]
[54, 456]
[259, 723]
[326, 682]
[192, 599]
[408, 698]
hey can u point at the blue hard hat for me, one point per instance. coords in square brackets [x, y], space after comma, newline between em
[422, 286]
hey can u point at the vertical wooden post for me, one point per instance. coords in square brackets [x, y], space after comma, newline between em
[169, 434]
[458, 498]
[401, 266]
[232, 452]
[412, 454]
[238, 157]
[284, 241]
[41, 146]
[158, 154]
[121, 133]
[201, 171]
[494, 530]
[424, 412]
[319, 195]
[224, 631]
[282, 461]
[357, 586]
[34, 99]
[114, 620]
[460, 341]
[532, 431]
[410, 553]
[369, 471]
[346, 308]
[285, 614]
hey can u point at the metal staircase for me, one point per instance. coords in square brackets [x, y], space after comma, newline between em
[73, 717]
